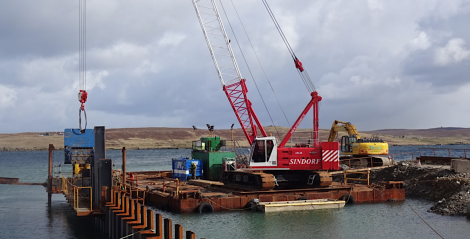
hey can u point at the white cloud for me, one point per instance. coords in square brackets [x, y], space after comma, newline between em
[171, 38]
[421, 42]
[117, 55]
[375, 4]
[7, 97]
[148, 63]
[95, 79]
[453, 52]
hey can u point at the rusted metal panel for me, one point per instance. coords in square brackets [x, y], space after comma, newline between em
[265, 198]
[364, 196]
[230, 203]
[318, 195]
[245, 200]
[277, 198]
[215, 202]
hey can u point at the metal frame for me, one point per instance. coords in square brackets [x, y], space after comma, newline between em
[313, 102]
[217, 41]
[227, 67]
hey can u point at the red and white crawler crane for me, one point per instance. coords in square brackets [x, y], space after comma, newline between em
[306, 164]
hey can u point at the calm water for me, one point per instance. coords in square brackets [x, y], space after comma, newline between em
[24, 212]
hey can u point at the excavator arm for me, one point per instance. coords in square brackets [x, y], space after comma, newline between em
[342, 126]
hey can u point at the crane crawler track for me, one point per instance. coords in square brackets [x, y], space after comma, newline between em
[246, 180]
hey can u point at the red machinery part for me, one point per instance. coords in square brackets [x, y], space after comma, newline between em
[298, 65]
[82, 97]
[313, 102]
[236, 94]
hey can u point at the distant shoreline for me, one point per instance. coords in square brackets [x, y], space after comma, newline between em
[182, 138]
[127, 148]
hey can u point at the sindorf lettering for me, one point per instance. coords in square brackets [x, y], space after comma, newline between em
[304, 161]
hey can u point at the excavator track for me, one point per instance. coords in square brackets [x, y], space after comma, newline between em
[247, 180]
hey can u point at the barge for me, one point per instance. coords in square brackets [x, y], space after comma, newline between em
[198, 195]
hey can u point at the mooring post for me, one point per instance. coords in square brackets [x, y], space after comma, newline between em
[468, 209]
[104, 198]
[49, 176]
[190, 235]
[178, 231]
[124, 166]
[158, 225]
[168, 229]
[136, 221]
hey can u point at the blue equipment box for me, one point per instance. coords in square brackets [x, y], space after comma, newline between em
[83, 143]
[74, 139]
[181, 168]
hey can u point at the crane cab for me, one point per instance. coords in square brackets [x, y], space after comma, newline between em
[263, 152]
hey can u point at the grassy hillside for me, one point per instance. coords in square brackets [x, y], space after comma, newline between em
[151, 138]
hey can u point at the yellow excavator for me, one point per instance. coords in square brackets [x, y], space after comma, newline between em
[352, 146]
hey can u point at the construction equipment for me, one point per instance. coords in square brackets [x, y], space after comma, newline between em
[279, 163]
[353, 146]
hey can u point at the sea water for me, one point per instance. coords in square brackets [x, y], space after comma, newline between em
[24, 212]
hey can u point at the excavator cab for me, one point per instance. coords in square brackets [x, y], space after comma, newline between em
[346, 143]
[264, 152]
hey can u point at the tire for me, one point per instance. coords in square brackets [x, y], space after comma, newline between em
[205, 207]
[348, 198]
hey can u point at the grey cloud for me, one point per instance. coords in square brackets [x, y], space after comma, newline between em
[148, 64]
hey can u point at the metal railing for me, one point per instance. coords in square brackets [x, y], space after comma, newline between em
[392, 156]
[75, 195]
[441, 153]
[346, 172]
[128, 188]
[177, 187]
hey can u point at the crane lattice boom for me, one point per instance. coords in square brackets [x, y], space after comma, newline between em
[227, 68]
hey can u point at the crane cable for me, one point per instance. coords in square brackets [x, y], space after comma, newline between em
[262, 68]
[82, 94]
[236, 40]
[302, 72]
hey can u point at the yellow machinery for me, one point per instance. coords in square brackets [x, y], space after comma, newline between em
[352, 145]
[79, 168]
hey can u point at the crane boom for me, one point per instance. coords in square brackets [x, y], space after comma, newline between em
[227, 68]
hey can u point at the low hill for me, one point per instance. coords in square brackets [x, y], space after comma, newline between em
[158, 137]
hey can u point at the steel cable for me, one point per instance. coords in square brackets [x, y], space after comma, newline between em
[262, 68]
[257, 88]
[303, 74]
[80, 119]
[82, 60]
[422, 218]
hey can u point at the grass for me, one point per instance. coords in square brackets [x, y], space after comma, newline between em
[159, 138]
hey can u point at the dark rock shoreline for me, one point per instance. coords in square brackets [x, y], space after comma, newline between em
[449, 191]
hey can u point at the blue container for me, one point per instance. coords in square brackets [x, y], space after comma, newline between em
[73, 139]
[181, 168]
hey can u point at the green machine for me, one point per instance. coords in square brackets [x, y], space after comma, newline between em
[211, 151]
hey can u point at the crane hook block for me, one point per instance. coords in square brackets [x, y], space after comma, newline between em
[82, 97]
[298, 65]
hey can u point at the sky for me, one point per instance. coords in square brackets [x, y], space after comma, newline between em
[377, 64]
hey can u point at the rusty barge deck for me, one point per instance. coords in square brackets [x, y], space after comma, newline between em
[196, 195]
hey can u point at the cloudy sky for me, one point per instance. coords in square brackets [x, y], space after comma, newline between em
[377, 64]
